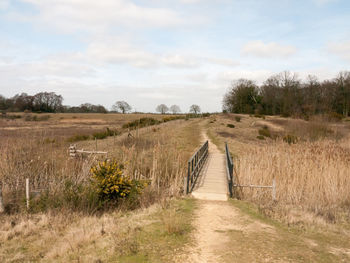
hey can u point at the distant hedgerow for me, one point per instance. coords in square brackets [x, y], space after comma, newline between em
[143, 122]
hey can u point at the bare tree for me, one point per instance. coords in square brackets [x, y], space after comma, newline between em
[122, 106]
[343, 92]
[175, 109]
[241, 97]
[47, 102]
[195, 109]
[162, 108]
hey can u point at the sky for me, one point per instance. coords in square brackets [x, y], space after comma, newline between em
[179, 52]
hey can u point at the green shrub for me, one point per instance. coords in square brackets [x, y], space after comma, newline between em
[260, 137]
[265, 132]
[207, 114]
[143, 122]
[172, 118]
[73, 196]
[230, 125]
[319, 130]
[111, 183]
[104, 134]
[78, 137]
[49, 141]
[333, 116]
[100, 135]
[259, 116]
[290, 139]
[10, 117]
[30, 117]
[237, 118]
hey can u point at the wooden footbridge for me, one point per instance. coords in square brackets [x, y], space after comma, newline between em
[209, 173]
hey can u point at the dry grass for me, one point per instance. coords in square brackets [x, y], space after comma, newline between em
[138, 236]
[66, 222]
[312, 176]
[156, 153]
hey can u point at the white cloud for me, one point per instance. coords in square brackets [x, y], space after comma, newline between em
[45, 69]
[118, 51]
[179, 61]
[96, 16]
[222, 61]
[190, 1]
[268, 50]
[157, 95]
[341, 49]
[323, 2]
[259, 76]
[4, 4]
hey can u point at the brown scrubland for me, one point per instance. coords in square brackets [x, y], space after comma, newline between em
[308, 159]
[67, 221]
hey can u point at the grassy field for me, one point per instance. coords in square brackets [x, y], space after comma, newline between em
[265, 238]
[64, 125]
[157, 152]
[309, 221]
[155, 234]
[65, 213]
[309, 160]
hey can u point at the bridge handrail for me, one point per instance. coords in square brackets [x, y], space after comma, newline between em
[195, 165]
[229, 170]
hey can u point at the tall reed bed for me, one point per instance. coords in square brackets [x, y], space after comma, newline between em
[311, 175]
[157, 155]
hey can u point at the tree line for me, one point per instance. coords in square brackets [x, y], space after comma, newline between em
[45, 102]
[51, 102]
[287, 95]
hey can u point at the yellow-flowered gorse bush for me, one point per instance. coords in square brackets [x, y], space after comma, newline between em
[111, 183]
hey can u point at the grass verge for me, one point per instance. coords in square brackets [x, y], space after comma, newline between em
[163, 240]
[288, 243]
[156, 234]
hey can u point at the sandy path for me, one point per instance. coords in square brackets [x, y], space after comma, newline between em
[215, 218]
[212, 218]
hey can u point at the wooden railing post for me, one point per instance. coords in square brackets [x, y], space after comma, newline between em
[229, 169]
[188, 178]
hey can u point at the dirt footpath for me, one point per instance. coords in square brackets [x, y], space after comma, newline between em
[215, 222]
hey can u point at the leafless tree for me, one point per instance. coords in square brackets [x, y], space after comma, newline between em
[162, 108]
[175, 109]
[195, 109]
[122, 106]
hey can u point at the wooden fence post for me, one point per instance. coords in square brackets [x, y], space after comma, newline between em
[72, 150]
[274, 189]
[27, 192]
[2, 208]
